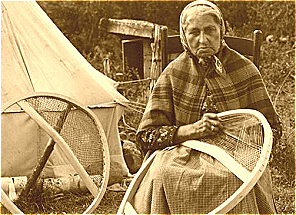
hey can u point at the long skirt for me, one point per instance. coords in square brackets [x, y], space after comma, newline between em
[185, 181]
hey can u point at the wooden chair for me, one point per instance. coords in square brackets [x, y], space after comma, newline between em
[247, 47]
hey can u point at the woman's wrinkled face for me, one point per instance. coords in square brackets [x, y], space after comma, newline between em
[203, 35]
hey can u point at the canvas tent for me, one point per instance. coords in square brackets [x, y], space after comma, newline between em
[37, 57]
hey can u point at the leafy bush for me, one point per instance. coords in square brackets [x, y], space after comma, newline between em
[278, 73]
[272, 17]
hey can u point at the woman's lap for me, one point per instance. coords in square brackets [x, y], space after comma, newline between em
[182, 180]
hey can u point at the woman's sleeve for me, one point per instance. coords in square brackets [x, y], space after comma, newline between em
[154, 138]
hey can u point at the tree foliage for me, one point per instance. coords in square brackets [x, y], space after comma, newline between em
[79, 21]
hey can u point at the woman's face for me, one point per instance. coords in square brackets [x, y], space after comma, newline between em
[203, 35]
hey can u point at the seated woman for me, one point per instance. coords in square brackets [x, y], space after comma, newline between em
[207, 78]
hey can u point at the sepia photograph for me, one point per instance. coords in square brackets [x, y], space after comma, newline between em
[148, 107]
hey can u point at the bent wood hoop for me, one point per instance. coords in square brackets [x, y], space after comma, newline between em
[249, 178]
[64, 147]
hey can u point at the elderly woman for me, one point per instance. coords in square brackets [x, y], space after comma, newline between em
[207, 78]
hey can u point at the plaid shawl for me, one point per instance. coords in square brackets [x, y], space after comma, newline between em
[178, 95]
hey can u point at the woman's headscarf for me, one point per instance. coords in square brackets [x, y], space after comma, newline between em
[202, 7]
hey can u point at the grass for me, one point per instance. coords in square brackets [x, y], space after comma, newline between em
[284, 193]
[110, 203]
[71, 203]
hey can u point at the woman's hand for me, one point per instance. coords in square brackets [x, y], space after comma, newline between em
[208, 125]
